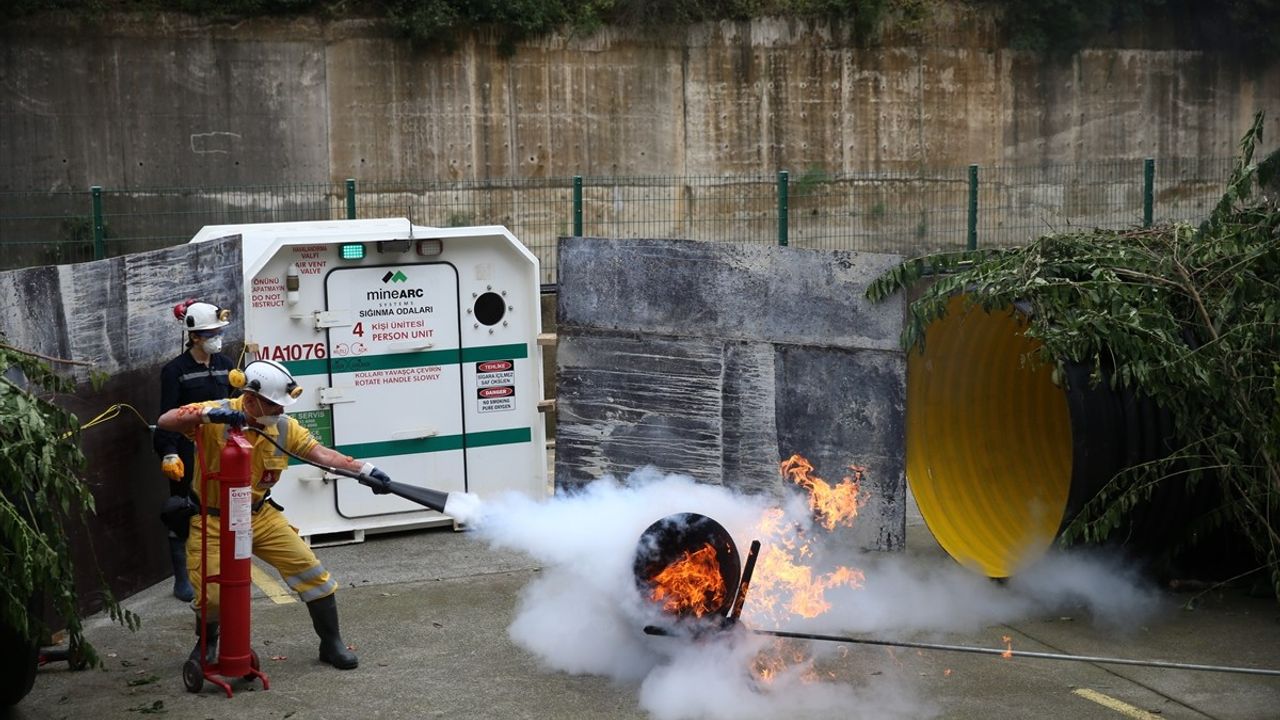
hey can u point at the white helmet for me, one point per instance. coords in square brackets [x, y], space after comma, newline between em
[270, 380]
[203, 316]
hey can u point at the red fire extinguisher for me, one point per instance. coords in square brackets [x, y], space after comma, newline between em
[235, 550]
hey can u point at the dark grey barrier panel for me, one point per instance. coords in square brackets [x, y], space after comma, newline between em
[719, 360]
[118, 314]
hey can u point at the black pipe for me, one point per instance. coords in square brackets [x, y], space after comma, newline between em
[748, 568]
[1009, 653]
[433, 499]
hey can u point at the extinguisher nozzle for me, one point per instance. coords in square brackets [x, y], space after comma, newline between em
[433, 499]
[426, 497]
[463, 506]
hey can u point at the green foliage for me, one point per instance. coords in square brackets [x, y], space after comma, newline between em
[1053, 27]
[207, 8]
[810, 182]
[457, 218]
[1060, 27]
[443, 23]
[75, 242]
[98, 379]
[40, 493]
[1063, 26]
[1188, 317]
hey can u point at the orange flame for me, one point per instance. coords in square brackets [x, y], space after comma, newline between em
[767, 667]
[691, 584]
[784, 657]
[1008, 646]
[832, 505]
[783, 583]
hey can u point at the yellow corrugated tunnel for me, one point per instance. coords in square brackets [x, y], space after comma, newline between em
[989, 446]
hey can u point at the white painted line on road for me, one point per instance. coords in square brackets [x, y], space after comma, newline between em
[1123, 708]
[278, 593]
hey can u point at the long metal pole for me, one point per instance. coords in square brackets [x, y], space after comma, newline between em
[99, 229]
[732, 620]
[1026, 653]
[577, 206]
[1148, 190]
[1008, 653]
[783, 208]
[971, 238]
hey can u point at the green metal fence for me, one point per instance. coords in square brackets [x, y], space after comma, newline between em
[906, 213]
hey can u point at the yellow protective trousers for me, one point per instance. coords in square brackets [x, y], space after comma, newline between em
[276, 542]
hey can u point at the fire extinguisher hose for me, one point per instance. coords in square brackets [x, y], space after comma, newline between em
[433, 499]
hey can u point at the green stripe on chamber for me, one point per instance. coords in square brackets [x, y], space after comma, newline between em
[499, 437]
[396, 361]
[495, 352]
[298, 368]
[439, 443]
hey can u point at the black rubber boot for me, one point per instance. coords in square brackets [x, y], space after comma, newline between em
[324, 616]
[181, 583]
[211, 643]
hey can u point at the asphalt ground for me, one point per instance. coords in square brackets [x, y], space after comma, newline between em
[429, 614]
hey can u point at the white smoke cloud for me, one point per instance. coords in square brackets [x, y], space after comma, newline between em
[583, 614]
[912, 594]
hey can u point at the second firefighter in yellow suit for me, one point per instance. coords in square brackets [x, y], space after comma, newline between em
[267, 389]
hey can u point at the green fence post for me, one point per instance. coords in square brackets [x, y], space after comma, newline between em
[1148, 190]
[577, 206]
[351, 198]
[782, 208]
[99, 232]
[972, 242]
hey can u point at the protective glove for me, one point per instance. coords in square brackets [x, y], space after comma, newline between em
[375, 474]
[172, 467]
[224, 416]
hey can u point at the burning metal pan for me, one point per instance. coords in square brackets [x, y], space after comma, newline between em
[688, 565]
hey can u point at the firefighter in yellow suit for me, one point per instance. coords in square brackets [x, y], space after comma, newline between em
[267, 389]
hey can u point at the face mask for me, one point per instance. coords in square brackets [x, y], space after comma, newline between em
[265, 420]
[213, 344]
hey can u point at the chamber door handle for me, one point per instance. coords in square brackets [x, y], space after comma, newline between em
[410, 346]
[414, 433]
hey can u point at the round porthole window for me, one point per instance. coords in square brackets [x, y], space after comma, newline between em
[489, 308]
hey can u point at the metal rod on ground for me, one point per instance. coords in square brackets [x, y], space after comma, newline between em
[654, 630]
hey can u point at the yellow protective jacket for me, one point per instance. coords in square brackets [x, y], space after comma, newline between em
[267, 461]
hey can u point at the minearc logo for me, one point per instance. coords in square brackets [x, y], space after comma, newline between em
[396, 276]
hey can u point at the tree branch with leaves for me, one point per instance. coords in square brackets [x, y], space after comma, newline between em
[41, 494]
[1186, 316]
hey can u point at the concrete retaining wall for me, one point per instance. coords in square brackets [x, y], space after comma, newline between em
[165, 100]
